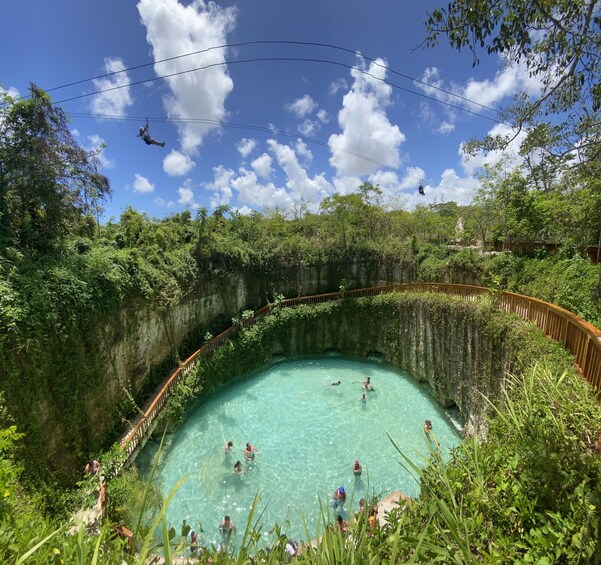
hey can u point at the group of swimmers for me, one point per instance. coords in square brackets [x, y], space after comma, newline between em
[227, 527]
[249, 454]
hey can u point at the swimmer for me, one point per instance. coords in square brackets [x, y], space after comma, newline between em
[363, 399]
[339, 496]
[334, 384]
[367, 384]
[427, 426]
[227, 528]
[341, 524]
[361, 507]
[357, 469]
[193, 542]
[249, 452]
[238, 468]
[228, 446]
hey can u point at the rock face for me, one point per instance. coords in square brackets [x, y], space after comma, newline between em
[141, 337]
[106, 369]
[455, 347]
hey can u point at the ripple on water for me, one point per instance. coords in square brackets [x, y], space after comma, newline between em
[308, 435]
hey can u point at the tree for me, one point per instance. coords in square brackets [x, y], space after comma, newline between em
[516, 218]
[48, 183]
[344, 210]
[560, 42]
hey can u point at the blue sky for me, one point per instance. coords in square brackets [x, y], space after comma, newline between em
[256, 134]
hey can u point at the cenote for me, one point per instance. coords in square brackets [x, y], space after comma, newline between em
[308, 435]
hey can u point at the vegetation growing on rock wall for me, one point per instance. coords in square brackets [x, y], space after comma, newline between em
[457, 368]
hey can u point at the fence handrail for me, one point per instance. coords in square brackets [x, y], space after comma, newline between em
[579, 336]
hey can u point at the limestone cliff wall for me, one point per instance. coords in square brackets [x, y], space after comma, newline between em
[447, 345]
[141, 337]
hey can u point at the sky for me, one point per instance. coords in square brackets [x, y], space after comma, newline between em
[264, 103]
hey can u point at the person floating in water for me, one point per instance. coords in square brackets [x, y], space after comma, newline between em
[146, 136]
[250, 451]
[357, 469]
[238, 468]
[334, 384]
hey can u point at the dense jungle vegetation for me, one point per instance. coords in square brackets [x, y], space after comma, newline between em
[529, 493]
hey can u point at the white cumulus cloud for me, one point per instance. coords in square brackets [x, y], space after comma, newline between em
[262, 166]
[510, 155]
[302, 107]
[173, 28]
[117, 97]
[480, 96]
[298, 181]
[142, 185]
[177, 164]
[98, 145]
[186, 195]
[245, 146]
[366, 129]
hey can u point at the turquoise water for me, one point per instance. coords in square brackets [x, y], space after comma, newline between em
[308, 435]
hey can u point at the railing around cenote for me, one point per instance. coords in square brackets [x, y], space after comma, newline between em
[580, 337]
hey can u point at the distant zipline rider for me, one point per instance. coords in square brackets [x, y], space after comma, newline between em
[420, 188]
[146, 136]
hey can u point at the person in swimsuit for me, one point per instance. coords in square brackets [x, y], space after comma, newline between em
[249, 452]
[339, 496]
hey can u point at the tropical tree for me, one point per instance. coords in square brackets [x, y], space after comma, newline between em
[49, 185]
[559, 41]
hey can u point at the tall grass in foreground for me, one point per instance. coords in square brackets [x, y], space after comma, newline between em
[531, 493]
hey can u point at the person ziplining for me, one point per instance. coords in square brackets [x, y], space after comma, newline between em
[146, 137]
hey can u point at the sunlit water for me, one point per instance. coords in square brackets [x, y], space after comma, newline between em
[308, 435]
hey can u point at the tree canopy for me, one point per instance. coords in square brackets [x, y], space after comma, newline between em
[49, 185]
[559, 41]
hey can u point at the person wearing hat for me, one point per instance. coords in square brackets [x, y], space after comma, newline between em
[339, 496]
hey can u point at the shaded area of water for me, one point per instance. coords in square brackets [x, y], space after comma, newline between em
[308, 435]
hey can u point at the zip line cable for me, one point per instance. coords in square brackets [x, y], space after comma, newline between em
[251, 127]
[275, 59]
[277, 42]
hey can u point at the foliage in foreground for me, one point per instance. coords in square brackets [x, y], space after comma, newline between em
[530, 492]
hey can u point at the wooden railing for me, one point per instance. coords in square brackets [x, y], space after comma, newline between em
[580, 337]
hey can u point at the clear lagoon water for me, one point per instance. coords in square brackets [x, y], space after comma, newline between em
[308, 435]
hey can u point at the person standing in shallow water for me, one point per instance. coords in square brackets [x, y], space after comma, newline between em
[238, 469]
[249, 452]
[339, 496]
[227, 528]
